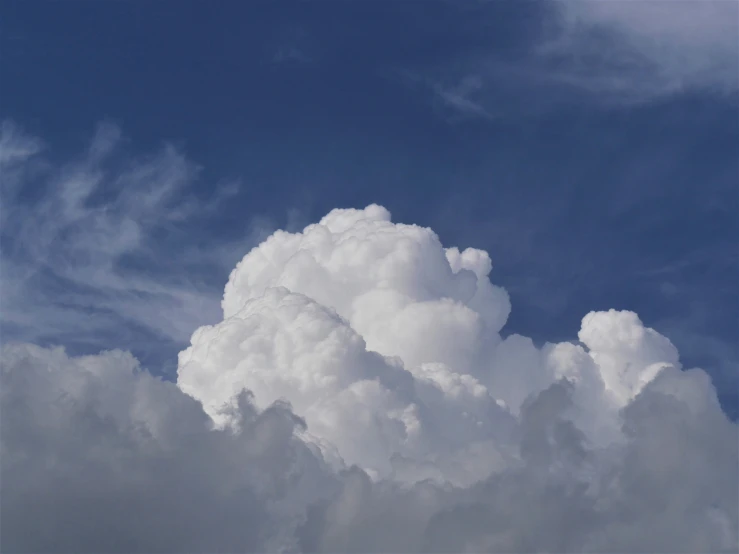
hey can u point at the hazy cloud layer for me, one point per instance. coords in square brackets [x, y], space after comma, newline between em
[357, 397]
[637, 50]
[606, 52]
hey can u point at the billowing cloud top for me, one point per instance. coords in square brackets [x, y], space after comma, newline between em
[358, 396]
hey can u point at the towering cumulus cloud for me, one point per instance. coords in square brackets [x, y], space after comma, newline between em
[359, 396]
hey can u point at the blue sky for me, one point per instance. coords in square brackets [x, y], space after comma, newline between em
[591, 152]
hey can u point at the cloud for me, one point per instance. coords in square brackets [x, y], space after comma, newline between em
[292, 45]
[86, 241]
[638, 50]
[570, 52]
[15, 145]
[99, 456]
[358, 396]
[460, 97]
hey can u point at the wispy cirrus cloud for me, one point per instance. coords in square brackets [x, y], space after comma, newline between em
[96, 246]
[608, 52]
[637, 50]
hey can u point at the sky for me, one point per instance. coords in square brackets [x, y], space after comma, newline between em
[583, 150]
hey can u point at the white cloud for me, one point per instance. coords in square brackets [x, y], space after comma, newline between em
[99, 456]
[14, 145]
[637, 49]
[79, 253]
[608, 52]
[386, 346]
[459, 98]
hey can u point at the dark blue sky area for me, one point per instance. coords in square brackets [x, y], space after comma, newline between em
[315, 105]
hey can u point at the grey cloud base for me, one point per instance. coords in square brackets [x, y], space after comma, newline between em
[98, 456]
[358, 397]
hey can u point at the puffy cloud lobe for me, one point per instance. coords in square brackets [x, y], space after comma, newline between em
[628, 355]
[286, 346]
[358, 319]
[353, 253]
[99, 456]
[375, 315]
[358, 397]
[560, 496]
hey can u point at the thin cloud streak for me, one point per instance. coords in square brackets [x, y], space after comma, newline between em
[91, 243]
[609, 53]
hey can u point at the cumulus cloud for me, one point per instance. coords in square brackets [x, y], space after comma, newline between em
[358, 396]
[99, 456]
